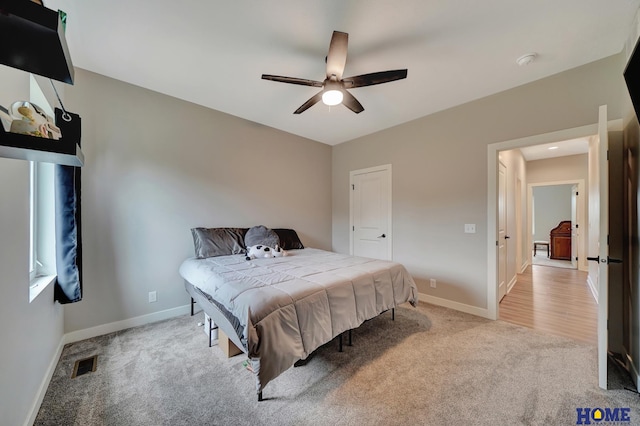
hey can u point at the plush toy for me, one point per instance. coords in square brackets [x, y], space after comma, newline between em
[258, 251]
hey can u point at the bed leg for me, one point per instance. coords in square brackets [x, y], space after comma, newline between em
[393, 314]
[210, 331]
[259, 396]
[193, 302]
[340, 343]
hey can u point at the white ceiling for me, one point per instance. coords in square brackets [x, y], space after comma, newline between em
[556, 149]
[213, 53]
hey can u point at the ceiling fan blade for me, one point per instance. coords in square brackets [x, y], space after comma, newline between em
[311, 102]
[374, 78]
[351, 102]
[337, 56]
[292, 80]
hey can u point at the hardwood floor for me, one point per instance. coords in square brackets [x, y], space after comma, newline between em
[553, 300]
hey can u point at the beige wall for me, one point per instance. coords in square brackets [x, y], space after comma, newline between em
[156, 167]
[440, 172]
[30, 332]
[558, 169]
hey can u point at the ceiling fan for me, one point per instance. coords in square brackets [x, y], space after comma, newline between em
[334, 86]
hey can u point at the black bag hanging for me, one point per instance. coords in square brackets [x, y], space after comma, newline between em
[68, 286]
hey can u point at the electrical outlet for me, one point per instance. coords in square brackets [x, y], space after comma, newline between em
[470, 228]
[153, 297]
[432, 281]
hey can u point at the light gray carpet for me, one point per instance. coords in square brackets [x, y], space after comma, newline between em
[431, 366]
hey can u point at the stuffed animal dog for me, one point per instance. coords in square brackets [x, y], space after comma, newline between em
[258, 251]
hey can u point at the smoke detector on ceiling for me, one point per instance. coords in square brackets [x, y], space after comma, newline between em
[526, 59]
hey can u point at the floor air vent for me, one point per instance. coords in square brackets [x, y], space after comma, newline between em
[84, 366]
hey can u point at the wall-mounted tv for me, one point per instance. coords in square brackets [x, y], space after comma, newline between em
[632, 77]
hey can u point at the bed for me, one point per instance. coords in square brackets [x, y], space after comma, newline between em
[279, 310]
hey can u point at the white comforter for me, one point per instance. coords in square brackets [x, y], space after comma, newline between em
[289, 306]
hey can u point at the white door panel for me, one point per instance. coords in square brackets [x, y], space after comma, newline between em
[502, 231]
[371, 212]
[601, 176]
[574, 226]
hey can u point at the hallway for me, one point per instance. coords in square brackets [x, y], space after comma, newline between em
[553, 300]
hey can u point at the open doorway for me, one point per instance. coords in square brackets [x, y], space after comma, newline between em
[557, 221]
[549, 294]
[600, 218]
[532, 175]
[551, 208]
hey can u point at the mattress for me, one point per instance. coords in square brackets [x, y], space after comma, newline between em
[284, 308]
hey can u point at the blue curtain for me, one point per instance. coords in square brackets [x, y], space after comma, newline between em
[68, 286]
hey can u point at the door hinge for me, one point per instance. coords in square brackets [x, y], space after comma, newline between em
[496, 244]
[577, 226]
[353, 228]
[353, 187]
[577, 193]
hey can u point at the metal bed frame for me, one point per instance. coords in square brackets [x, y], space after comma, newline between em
[212, 311]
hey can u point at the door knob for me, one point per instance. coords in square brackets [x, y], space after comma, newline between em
[506, 237]
[382, 236]
[595, 259]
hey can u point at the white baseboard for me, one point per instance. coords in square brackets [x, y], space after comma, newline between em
[524, 267]
[42, 390]
[473, 310]
[592, 287]
[100, 330]
[512, 283]
[633, 370]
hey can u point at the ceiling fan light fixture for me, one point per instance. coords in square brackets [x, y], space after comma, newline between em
[332, 97]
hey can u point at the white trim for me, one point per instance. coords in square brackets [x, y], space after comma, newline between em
[44, 385]
[111, 327]
[381, 168]
[38, 284]
[512, 283]
[473, 310]
[633, 370]
[592, 287]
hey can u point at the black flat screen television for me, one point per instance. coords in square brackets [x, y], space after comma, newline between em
[632, 77]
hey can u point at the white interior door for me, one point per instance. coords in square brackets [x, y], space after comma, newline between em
[575, 227]
[601, 176]
[371, 213]
[502, 231]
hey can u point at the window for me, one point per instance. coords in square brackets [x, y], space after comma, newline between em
[42, 228]
[42, 269]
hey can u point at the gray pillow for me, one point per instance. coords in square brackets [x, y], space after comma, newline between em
[288, 239]
[261, 235]
[211, 242]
